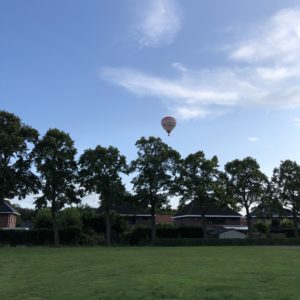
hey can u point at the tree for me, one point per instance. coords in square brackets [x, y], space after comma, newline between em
[100, 170]
[16, 142]
[55, 161]
[200, 181]
[267, 206]
[43, 219]
[155, 167]
[70, 217]
[246, 183]
[286, 181]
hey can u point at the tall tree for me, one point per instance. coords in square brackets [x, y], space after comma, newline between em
[154, 167]
[100, 171]
[55, 161]
[247, 183]
[286, 181]
[267, 206]
[16, 142]
[200, 181]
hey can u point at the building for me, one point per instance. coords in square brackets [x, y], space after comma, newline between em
[8, 215]
[137, 215]
[273, 218]
[223, 233]
[216, 216]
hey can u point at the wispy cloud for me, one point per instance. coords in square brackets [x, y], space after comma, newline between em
[266, 73]
[296, 122]
[159, 22]
[275, 40]
[253, 139]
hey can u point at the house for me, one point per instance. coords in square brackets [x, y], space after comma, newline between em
[8, 215]
[224, 233]
[137, 215]
[216, 216]
[273, 218]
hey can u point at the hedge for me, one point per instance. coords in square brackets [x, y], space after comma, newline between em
[43, 236]
[142, 235]
[227, 242]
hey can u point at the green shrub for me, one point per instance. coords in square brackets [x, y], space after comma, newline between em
[286, 223]
[43, 219]
[261, 227]
[140, 235]
[70, 217]
[190, 232]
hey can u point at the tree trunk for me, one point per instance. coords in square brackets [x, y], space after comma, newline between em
[153, 225]
[107, 229]
[204, 228]
[55, 228]
[295, 221]
[268, 229]
[249, 224]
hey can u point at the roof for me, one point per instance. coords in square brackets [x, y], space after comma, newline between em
[128, 209]
[193, 210]
[282, 212]
[236, 227]
[7, 208]
[219, 230]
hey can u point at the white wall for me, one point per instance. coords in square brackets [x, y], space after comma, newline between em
[232, 234]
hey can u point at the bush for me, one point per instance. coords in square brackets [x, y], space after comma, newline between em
[286, 223]
[91, 238]
[70, 217]
[190, 232]
[140, 235]
[43, 219]
[261, 227]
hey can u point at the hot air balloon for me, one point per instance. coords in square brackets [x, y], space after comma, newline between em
[168, 123]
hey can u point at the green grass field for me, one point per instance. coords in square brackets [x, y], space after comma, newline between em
[150, 273]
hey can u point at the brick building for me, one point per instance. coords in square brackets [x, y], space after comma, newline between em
[8, 215]
[216, 216]
[137, 215]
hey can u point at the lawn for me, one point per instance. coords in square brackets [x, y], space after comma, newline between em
[150, 273]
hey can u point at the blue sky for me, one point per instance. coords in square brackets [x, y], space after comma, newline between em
[108, 71]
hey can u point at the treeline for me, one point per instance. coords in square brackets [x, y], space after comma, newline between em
[83, 225]
[47, 166]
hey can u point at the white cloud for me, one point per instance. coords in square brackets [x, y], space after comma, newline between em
[266, 73]
[296, 122]
[277, 39]
[159, 22]
[190, 113]
[253, 139]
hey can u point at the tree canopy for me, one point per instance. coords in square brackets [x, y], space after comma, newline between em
[286, 180]
[56, 164]
[154, 169]
[247, 184]
[16, 143]
[100, 171]
[199, 180]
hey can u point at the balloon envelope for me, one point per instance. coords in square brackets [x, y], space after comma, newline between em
[168, 123]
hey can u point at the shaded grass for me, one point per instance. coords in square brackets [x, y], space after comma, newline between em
[150, 273]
